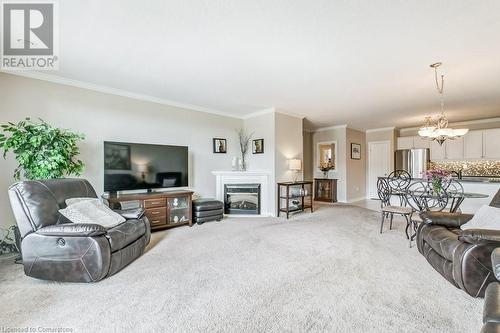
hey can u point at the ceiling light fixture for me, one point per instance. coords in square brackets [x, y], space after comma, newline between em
[440, 131]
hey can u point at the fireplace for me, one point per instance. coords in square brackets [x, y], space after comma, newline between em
[242, 199]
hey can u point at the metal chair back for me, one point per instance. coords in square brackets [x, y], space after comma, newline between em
[399, 180]
[422, 197]
[384, 192]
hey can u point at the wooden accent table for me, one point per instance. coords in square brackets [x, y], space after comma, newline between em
[163, 209]
[325, 189]
[298, 194]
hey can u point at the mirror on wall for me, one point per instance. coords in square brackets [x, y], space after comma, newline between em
[326, 156]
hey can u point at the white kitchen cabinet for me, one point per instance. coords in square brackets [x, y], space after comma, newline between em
[405, 142]
[438, 152]
[411, 142]
[491, 143]
[420, 142]
[473, 145]
[454, 149]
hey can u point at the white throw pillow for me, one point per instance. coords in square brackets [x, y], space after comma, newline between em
[92, 211]
[486, 217]
[72, 201]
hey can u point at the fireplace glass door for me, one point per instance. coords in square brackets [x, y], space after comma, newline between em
[242, 199]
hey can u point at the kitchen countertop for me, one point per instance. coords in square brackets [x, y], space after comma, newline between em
[495, 180]
[474, 179]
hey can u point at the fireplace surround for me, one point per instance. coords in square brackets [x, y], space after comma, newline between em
[263, 178]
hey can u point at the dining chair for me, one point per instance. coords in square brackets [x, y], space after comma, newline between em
[388, 210]
[422, 197]
[455, 192]
[399, 180]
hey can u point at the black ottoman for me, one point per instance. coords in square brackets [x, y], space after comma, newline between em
[206, 210]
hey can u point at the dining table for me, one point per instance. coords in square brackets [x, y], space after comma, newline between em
[456, 197]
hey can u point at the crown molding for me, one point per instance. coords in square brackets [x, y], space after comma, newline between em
[259, 113]
[380, 129]
[322, 129]
[291, 114]
[118, 92]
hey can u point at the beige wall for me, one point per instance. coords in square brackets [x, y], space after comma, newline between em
[263, 127]
[107, 117]
[288, 144]
[356, 169]
[339, 135]
[308, 155]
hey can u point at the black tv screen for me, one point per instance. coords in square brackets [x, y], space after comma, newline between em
[137, 166]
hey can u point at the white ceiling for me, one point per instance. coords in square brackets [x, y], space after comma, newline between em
[362, 63]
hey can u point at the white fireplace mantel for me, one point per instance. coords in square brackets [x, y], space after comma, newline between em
[261, 177]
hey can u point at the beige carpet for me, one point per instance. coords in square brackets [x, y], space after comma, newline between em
[326, 272]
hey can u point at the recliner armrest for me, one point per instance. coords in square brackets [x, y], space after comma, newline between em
[131, 214]
[480, 236]
[72, 229]
[445, 219]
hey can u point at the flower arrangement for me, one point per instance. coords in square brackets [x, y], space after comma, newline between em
[436, 177]
[325, 167]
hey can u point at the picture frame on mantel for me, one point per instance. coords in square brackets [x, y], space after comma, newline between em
[220, 146]
[355, 151]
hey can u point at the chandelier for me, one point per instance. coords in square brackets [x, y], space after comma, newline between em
[439, 130]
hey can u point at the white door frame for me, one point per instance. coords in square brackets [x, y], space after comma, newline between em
[388, 142]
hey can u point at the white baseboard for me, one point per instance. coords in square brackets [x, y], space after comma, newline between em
[357, 199]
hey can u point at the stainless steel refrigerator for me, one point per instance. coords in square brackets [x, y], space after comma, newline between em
[415, 161]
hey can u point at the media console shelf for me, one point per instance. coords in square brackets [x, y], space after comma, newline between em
[163, 209]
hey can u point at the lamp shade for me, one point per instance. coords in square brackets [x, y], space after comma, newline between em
[142, 168]
[295, 164]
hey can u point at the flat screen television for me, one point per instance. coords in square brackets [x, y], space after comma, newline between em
[137, 166]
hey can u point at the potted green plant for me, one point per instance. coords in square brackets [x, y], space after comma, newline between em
[41, 151]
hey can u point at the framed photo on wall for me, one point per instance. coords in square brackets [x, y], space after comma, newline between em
[258, 146]
[355, 151]
[220, 146]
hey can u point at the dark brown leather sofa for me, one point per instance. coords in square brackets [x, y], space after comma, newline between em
[461, 257]
[55, 249]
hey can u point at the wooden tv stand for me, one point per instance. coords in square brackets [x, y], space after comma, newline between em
[163, 209]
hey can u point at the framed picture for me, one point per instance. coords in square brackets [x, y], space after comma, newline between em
[258, 146]
[355, 151]
[117, 157]
[220, 146]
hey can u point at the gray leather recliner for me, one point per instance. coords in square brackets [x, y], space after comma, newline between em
[54, 248]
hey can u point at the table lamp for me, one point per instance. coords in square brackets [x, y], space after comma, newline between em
[143, 169]
[295, 165]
